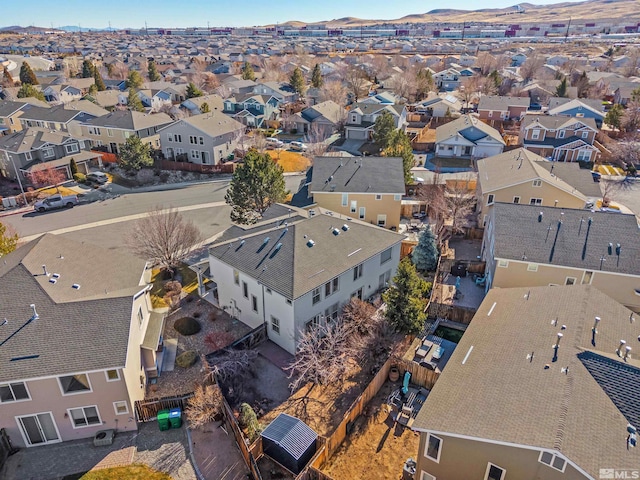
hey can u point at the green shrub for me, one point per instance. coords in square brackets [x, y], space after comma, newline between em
[80, 177]
[249, 421]
[186, 359]
[187, 326]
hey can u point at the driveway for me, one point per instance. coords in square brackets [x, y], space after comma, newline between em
[626, 192]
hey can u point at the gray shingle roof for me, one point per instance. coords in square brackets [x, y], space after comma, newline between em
[518, 232]
[214, 123]
[130, 120]
[361, 175]
[465, 125]
[500, 395]
[295, 268]
[571, 173]
[78, 329]
[32, 139]
[501, 103]
[556, 122]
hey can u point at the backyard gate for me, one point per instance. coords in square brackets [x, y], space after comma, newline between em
[147, 410]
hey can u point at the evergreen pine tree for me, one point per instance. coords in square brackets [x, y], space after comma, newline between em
[400, 146]
[73, 166]
[133, 101]
[404, 299]
[27, 75]
[98, 81]
[87, 69]
[425, 254]
[316, 77]
[193, 91]
[247, 72]
[297, 81]
[7, 79]
[134, 80]
[561, 90]
[152, 71]
[28, 90]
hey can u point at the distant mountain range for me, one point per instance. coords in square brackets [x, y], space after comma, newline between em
[613, 11]
[622, 11]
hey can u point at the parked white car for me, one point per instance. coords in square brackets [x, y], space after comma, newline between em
[274, 143]
[98, 177]
[298, 146]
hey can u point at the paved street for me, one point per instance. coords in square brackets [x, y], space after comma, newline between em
[627, 193]
[107, 222]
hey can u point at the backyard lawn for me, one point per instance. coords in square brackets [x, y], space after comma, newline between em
[130, 472]
[290, 161]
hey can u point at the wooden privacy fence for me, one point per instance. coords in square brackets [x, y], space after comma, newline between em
[246, 451]
[147, 410]
[195, 167]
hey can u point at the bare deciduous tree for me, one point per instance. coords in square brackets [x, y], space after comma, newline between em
[335, 91]
[460, 201]
[316, 140]
[272, 70]
[530, 66]
[356, 80]
[164, 238]
[204, 406]
[232, 364]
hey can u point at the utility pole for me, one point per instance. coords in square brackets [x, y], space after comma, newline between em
[566, 35]
[464, 24]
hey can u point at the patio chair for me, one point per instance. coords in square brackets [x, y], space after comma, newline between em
[480, 281]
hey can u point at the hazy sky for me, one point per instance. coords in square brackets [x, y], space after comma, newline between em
[189, 13]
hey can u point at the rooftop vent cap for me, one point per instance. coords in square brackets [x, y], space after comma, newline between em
[336, 232]
[345, 227]
[76, 286]
[310, 243]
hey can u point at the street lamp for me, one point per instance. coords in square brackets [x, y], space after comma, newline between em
[10, 157]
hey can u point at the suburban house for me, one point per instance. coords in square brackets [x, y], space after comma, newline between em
[206, 139]
[325, 117]
[544, 389]
[289, 272]
[560, 138]
[78, 343]
[251, 109]
[623, 94]
[34, 149]
[154, 99]
[578, 108]
[61, 117]
[468, 137]
[503, 108]
[362, 117]
[194, 105]
[369, 189]
[447, 80]
[57, 94]
[531, 245]
[10, 113]
[521, 176]
[113, 129]
[108, 99]
[282, 91]
[439, 106]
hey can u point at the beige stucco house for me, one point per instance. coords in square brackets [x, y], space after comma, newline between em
[112, 130]
[529, 245]
[532, 393]
[79, 342]
[367, 188]
[520, 176]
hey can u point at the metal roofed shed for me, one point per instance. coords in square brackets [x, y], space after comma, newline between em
[290, 442]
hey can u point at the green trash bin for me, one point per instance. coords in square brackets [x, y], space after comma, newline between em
[163, 420]
[175, 418]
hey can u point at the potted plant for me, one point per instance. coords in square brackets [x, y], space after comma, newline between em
[394, 374]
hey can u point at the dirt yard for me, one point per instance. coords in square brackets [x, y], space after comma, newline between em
[375, 445]
[181, 381]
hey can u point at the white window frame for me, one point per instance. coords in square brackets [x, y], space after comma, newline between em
[72, 148]
[561, 133]
[572, 279]
[378, 196]
[491, 199]
[584, 276]
[115, 407]
[201, 140]
[362, 211]
[178, 137]
[537, 183]
[106, 374]
[532, 267]
[426, 476]
[535, 134]
[8, 384]
[48, 152]
[331, 313]
[254, 303]
[109, 132]
[316, 293]
[275, 325]
[357, 271]
[64, 394]
[426, 448]
[503, 263]
[333, 286]
[27, 155]
[245, 290]
[516, 200]
[381, 221]
[195, 154]
[383, 254]
[193, 140]
[585, 134]
[345, 199]
[489, 465]
[583, 155]
[553, 457]
[535, 201]
[170, 137]
[397, 197]
[73, 424]
[354, 206]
